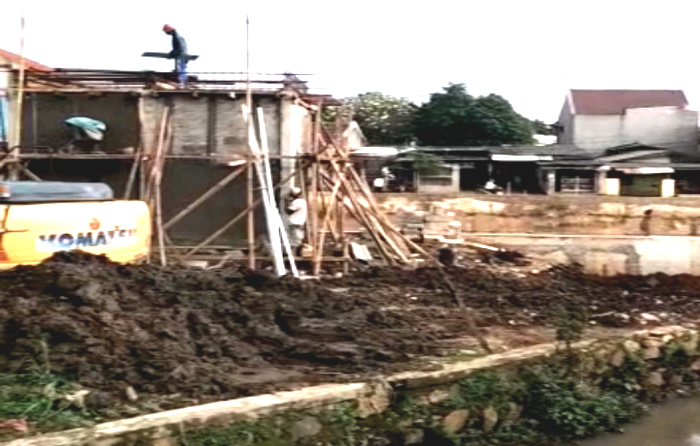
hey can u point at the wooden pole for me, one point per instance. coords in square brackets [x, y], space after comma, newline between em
[12, 170]
[326, 221]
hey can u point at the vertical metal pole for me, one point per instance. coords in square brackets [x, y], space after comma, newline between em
[251, 216]
[250, 182]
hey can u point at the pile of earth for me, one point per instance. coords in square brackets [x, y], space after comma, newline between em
[178, 330]
[195, 333]
[508, 296]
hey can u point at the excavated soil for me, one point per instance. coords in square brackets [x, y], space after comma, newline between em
[220, 333]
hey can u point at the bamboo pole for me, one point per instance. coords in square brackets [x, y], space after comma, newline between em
[132, 173]
[358, 210]
[322, 235]
[204, 197]
[369, 219]
[157, 179]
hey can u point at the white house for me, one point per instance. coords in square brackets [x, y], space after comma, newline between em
[599, 119]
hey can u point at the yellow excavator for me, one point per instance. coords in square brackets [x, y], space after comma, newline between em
[40, 218]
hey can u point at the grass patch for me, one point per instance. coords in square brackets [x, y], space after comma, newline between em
[41, 400]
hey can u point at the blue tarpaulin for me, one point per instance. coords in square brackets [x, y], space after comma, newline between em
[92, 128]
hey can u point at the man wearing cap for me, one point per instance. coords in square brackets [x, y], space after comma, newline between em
[179, 53]
[296, 218]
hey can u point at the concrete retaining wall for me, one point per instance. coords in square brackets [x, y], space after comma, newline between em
[534, 214]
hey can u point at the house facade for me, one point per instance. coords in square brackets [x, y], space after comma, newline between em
[596, 120]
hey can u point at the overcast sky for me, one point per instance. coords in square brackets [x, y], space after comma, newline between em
[530, 52]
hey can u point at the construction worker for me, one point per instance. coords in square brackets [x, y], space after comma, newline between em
[179, 53]
[296, 218]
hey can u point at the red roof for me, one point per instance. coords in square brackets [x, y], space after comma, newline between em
[16, 59]
[615, 102]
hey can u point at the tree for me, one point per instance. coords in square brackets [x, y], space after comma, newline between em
[456, 118]
[540, 128]
[384, 119]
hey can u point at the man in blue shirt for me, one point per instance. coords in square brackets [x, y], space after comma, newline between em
[179, 53]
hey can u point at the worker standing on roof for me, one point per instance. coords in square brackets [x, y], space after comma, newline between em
[179, 53]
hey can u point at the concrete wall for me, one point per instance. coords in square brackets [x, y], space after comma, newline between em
[210, 124]
[664, 127]
[44, 115]
[566, 120]
[536, 214]
[609, 255]
[596, 132]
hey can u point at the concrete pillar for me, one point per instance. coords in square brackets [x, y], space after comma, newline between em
[455, 177]
[600, 183]
[286, 147]
[551, 182]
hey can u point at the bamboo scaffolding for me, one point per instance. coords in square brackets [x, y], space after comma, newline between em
[216, 234]
[204, 197]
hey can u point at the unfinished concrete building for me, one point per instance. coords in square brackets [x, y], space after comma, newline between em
[207, 136]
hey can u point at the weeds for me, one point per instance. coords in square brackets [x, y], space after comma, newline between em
[39, 398]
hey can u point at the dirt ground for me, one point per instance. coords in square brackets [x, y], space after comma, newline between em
[183, 336]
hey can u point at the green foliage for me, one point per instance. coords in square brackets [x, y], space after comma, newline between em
[39, 398]
[384, 119]
[540, 128]
[488, 388]
[567, 409]
[424, 163]
[243, 434]
[625, 379]
[571, 318]
[456, 118]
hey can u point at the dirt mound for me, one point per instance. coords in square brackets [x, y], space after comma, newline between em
[197, 333]
[182, 330]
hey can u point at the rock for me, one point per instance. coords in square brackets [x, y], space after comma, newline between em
[490, 419]
[689, 343]
[514, 412]
[695, 366]
[651, 342]
[655, 379]
[414, 436]
[131, 394]
[618, 358]
[377, 400]
[304, 428]
[652, 353]
[631, 346]
[438, 396]
[77, 399]
[455, 421]
[14, 426]
[648, 317]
